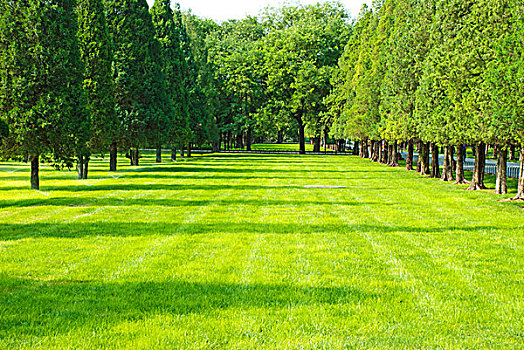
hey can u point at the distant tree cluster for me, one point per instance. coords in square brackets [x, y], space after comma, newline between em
[272, 74]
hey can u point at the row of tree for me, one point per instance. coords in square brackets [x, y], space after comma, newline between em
[426, 74]
[81, 78]
[434, 73]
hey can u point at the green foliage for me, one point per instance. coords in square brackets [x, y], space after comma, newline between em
[97, 55]
[302, 48]
[41, 95]
[174, 66]
[237, 58]
[143, 105]
[197, 101]
[406, 50]
[505, 73]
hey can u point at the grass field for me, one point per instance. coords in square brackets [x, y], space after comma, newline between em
[231, 251]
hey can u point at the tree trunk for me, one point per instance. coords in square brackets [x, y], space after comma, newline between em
[159, 154]
[113, 154]
[80, 167]
[452, 158]
[447, 169]
[189, 149]
[248, 139]
[394, 155]
[355, 148]
[512, 152]
[132, 157]
[182, 151]
[301, 136]
[424, 159]
[373, 151]
[459, 170]
[520, 192]
[501, 186]
[409, 159]
[477, 182]
[384, 155]
[316, 144]
[86, 167]
[280, 137]
[435, 167]
[137, 156]
[173, 154]
[35, 179]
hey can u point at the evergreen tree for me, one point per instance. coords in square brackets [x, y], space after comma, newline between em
[199, 32]
[505, 73]
[168, 33]
[41, 95]
[143, 106]
[97, 54]
[197, 102]
[406, 50]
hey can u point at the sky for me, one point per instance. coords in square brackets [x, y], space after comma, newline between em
[221, 10]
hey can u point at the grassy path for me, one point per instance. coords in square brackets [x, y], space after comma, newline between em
[232, 251]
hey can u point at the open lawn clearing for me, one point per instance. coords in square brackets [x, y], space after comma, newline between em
[232, 251]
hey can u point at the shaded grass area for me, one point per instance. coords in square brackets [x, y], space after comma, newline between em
[231, 251]
[282, 147]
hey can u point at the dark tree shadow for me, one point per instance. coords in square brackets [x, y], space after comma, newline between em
[39, 308]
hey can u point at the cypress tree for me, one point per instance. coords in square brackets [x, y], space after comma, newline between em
[41, 95]
[97, 54]
[195, 97]
[174, 67]
[142, 104]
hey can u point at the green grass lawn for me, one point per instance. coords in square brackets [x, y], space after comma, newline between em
[231, 251]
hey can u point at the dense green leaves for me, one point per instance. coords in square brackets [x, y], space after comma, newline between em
[41, 95]
[142, 103]
[97, 55]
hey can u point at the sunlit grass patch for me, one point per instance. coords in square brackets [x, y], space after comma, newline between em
[232, 251]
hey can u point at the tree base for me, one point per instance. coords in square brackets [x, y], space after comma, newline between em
[461, 182]
[477, 188]
[515, 199]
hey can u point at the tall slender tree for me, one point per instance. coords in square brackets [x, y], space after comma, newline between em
[97, 55]
[142, 103]
[169, 30]
[41, 93]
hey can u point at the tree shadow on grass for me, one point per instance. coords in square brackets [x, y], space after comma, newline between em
[165, 202]
[157, 187]
[38, 308]
[12, 232]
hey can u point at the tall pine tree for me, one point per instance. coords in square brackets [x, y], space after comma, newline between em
[97, 55]
[175, 68]
[41, 95]
[142, 103]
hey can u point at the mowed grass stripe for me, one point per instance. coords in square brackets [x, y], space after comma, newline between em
[231, 251]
